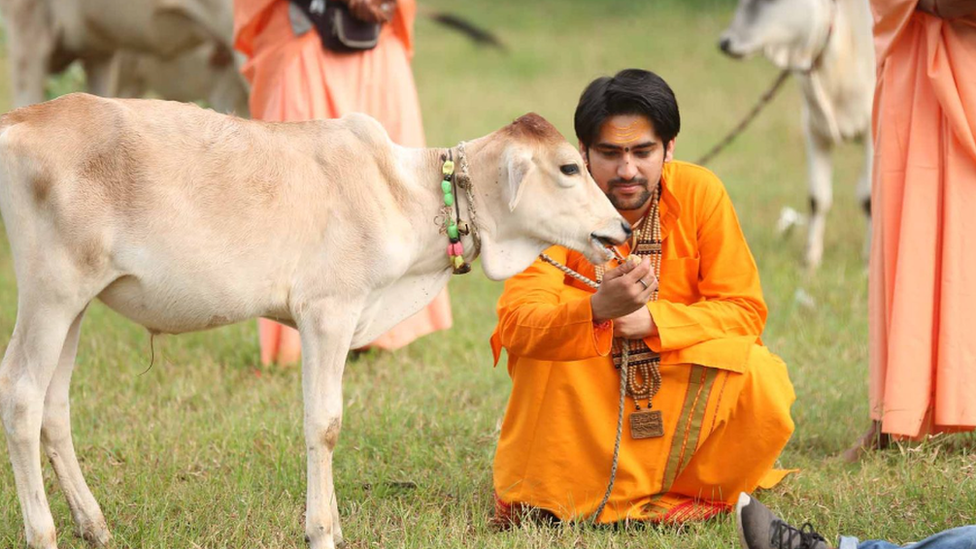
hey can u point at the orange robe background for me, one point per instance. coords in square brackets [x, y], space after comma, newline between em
[725, 398]
[293, 78]
[923, 259]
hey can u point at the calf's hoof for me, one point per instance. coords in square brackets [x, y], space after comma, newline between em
[45, 540]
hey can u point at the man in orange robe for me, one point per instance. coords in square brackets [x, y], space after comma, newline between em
[293, 78]
[724, 399]
[922, 301]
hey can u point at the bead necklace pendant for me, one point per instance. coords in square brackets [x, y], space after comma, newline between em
[646, 424]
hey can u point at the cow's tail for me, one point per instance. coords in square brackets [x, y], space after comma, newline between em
[483, 37]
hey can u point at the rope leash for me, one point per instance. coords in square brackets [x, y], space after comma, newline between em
[760, 105]
[777, 84]
[620, 432]
[623, 388]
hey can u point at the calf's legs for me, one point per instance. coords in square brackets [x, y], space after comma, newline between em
[326, 337]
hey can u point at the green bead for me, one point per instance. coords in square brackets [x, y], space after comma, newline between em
[446, 186]
[449, 199]
[452, 231]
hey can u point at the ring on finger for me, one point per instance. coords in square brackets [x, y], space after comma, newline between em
[644, 284]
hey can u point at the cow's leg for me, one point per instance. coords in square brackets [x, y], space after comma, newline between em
[326, 331]
[30, 45]
[864, 192]
[821, 192]
[102, 74]
[57, 443]
[43, 323]
[340, 542]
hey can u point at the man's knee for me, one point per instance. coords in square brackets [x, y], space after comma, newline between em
[767, 391]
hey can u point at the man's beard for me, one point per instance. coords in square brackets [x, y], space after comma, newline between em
[625, 203]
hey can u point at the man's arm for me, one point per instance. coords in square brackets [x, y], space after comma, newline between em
[732, 303]
[533, 323]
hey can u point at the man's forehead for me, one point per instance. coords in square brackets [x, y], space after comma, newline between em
[626, 130]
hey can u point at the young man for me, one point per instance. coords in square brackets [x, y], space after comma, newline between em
[708, 407]
[759, 528]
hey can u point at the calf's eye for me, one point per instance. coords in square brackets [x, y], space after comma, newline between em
[569, 169]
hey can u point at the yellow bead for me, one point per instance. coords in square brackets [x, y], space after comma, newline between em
[458, 261]
[448, 167]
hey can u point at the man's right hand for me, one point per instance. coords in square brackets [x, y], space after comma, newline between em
[621, 291]
[372, 11]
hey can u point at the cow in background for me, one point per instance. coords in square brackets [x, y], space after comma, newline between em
[177, 49]
[125, 47]
[828, 46]
[208, 72]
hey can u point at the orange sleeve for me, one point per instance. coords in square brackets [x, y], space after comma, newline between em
[534, 322]
[248, 19]
[731, 302]
[403, 23]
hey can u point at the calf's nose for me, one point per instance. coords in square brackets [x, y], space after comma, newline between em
[626, 227]
[724, 44]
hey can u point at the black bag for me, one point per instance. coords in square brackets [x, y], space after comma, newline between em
[338, 29]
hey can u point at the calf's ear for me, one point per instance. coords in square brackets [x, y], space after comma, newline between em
[520, 166]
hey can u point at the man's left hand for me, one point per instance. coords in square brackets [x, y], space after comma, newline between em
[636, 325]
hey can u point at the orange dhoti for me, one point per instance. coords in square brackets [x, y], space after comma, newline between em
[923, 269]
[293, 78]
[723, 432]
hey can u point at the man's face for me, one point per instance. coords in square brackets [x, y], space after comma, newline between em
[626, 160]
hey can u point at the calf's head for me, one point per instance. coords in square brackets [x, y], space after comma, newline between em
[790, 33]
[542, 195]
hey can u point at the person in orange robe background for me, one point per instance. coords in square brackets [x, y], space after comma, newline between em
[294, 78]
[724, 398]
[922, 300]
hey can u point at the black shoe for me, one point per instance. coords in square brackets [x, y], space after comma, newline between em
[759, 528]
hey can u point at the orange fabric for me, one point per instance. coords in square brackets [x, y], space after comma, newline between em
[293, 78]
[922, 302]
[725, 398]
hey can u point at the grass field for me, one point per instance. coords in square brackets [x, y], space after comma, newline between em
[205, 449]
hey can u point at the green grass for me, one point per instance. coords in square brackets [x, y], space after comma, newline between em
[205, 449]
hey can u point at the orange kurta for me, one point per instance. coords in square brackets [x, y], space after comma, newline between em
[725, 398]
[923, 270]
[294, 78]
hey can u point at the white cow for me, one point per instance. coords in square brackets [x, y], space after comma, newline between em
[208, 72]
[178, 48]
[184, 219]
[828, 46]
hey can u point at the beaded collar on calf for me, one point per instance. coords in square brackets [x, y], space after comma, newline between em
[453, 225]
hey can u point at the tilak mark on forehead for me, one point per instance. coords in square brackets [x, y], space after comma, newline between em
[628, 133]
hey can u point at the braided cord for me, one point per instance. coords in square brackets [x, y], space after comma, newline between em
[651, 376]
[568, 271]
[464, 180]
[620, 432]
[624, 359]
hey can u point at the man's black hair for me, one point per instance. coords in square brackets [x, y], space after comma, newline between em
[630, 91]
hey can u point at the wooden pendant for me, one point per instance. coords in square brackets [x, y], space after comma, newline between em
[646, 424]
